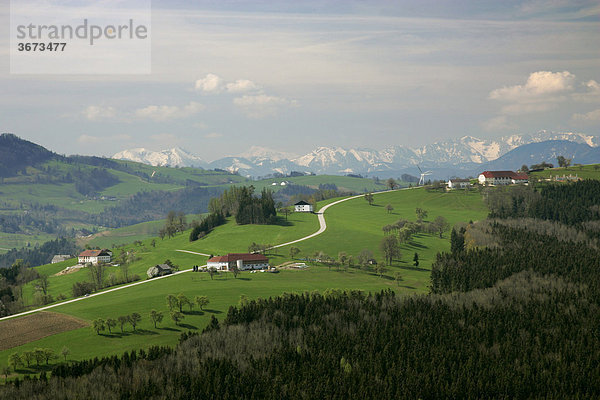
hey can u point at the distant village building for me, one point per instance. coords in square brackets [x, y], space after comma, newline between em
[243, 261]
[497, 178]
[159, 270]
[60, 258]
[459, 183]
[303, 206]
[94, 256]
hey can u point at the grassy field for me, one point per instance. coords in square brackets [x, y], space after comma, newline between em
[591, 171]
[352, 226]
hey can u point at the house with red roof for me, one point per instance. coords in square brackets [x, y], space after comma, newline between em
[242, 261]
[497, 178]
[94, 256]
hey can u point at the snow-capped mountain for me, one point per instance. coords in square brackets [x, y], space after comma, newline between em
[175, 157]
[446, 157]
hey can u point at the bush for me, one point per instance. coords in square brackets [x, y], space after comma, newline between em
[82, 288]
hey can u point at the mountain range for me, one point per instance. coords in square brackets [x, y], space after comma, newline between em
[464, 156]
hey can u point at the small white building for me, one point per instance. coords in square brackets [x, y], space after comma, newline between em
[94, 256]
[243, 261]
[459, 183]
[303, 206]
[60, 258]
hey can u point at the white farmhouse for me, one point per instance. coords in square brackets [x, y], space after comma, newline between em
[95, 256]
[303, 206]
[459, 183]
[243, 261]
[497, 178]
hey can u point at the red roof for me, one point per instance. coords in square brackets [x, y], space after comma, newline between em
[233, 257]
[504, 174]
[93, 253]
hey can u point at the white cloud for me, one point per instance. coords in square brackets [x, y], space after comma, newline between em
[213, 135]
[539, 84]
[499, 123]
[592, 116]
[214, 84]
[96, 113]
[241, 86]
[164, 113]
[260, 106]
[591, 93]
[88, 139]
[211, 83]
[165, 137]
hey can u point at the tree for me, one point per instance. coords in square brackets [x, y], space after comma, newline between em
[563, 162]
[182, 300]
[342, 257]
[380, 269]
[110, 323]
[98, 325]
[43, 283]
[457, 240]
[369, 198]
[236, 271]
[134, 319]
[294, 252]
[416, 259]
[524, 168]
[201, 301]
[153, 243]
[390, 248]
[49, 355]
[65, 352]
[398, 278]
[212, 271]
[389, 208]
[441, 225]
[5, 372]
[177, 316]
[97, 274]
[391, 184]
[123, 319]
[421, 214]
[243, 300]
[171, 302]
[125, 269]
[156, 317]
[285, 211]
[40, 355]
[28, 356]
[364, 257]
[15, 360]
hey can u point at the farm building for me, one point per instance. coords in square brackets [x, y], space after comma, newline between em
[94, 256]
[502, 178]
[303, 206]
[459, 183]
[60, 258]
[243, 261]
[159, 270]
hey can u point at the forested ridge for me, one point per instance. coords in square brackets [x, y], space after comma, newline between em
[513, 313]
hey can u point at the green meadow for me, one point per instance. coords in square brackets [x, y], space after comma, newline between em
[591, 171]
[353, 225]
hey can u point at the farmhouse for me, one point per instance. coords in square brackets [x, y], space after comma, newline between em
[94, 256]
[159, 270]
[243, 261]
[459, 183]
[303, 206]
[502, 178]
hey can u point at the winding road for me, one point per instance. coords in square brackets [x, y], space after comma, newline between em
[322, 228]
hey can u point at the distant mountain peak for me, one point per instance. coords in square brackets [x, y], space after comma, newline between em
[175, 157]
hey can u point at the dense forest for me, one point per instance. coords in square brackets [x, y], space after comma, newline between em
[514, 312]
[39, 255]
[247, 208]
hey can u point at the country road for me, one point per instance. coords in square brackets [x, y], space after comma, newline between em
[322, 228]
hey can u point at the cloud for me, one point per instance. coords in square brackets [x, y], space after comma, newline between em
[200, 125]
[592, 116]
[213, 135]
[88, 139]
[96, 113]
[539, 84]
[164, 113]
[164, 137]
[499, 123]
[211, 83]
[590, 94]
[214, 84]
[260, 106]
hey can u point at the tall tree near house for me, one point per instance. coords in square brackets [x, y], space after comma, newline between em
[43, 283]
[123, 319]
[285, 211]
[563, 162]
[212, 271]
[390, 248]
[369, 198]
[96, 272]
[236, 271]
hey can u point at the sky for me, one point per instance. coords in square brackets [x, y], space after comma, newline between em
[296, 75]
